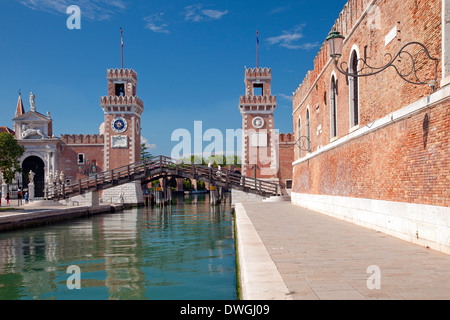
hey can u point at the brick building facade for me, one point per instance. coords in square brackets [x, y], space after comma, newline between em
[376, 148]
[74, 156]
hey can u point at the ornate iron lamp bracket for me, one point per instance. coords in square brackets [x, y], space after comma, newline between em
[304, 143]
[409, 74]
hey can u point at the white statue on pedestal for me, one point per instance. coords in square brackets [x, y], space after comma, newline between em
[31, 176]
[50, 177]
[32, 103]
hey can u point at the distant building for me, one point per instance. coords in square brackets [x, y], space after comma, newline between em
[74, 156]
[375, 150]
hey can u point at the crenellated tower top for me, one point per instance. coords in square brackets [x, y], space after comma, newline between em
[122, 92]
[257, 82]
[258, 72]
[122, 74]
[258, 95]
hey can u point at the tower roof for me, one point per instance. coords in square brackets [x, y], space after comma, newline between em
[19, 109]
[6, 129]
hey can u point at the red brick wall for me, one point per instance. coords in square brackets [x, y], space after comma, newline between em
[380, 94]
[286, 157]
[391, 163]
[407, 161]
[71, 145]
[68, 159]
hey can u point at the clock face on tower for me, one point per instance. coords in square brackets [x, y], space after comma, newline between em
[258, 122]
[119, 125]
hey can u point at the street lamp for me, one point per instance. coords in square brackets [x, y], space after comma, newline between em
[335, 43]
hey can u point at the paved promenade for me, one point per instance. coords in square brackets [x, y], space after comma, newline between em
[288, 252]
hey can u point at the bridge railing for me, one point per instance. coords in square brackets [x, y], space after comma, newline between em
[154, 166]
[229, 178]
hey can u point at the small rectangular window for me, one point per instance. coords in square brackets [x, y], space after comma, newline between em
[257, 89]
[80, 158]
[288, 184]
[120, 89]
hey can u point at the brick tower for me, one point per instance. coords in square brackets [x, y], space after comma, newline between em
[122, 130]
[123, 110]
[259, 139]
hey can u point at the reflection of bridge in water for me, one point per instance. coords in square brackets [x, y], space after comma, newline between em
[162, 167]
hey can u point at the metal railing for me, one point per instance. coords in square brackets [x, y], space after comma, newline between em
[156, 167]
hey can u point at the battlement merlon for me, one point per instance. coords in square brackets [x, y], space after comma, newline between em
[261, 99]
[94, 139]
[265, 73]
[286, 138]
[122, 104]
[122, 74]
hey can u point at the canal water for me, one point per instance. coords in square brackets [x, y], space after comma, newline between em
[183, 251]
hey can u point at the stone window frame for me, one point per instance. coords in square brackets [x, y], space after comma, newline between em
[308, 129]
[299, 131]
[78, 158]
[333, 104]
[354, 54]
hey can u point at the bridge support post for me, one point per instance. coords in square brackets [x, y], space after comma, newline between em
[221, 193]
[169, 194]
[214, 197]
[95, 200]
[167, 191]
[159, 196]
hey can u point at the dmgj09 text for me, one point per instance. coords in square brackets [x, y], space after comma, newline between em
[245, 309]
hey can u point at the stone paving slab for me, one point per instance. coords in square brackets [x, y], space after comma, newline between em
[321, 257]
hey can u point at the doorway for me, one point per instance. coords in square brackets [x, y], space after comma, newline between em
[36, 165]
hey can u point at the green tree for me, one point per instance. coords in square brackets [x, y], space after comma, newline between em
[145, 154]
[187, 185]
[10, 153]
[201, 185]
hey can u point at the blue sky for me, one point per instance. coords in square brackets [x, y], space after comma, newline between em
[189, 57]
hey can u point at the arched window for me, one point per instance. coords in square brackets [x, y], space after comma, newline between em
[308, 135]
[353, 90]
[333, 109]
[299, 130]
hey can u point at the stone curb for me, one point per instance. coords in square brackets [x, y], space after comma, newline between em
[259, 276]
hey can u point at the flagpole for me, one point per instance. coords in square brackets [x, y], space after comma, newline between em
[257, 50]
[121, 44]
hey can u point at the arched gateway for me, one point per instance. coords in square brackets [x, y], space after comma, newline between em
[36, 165]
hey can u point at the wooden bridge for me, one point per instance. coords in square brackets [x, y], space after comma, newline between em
[156, 168]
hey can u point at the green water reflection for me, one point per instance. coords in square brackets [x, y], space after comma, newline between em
[182, 251]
